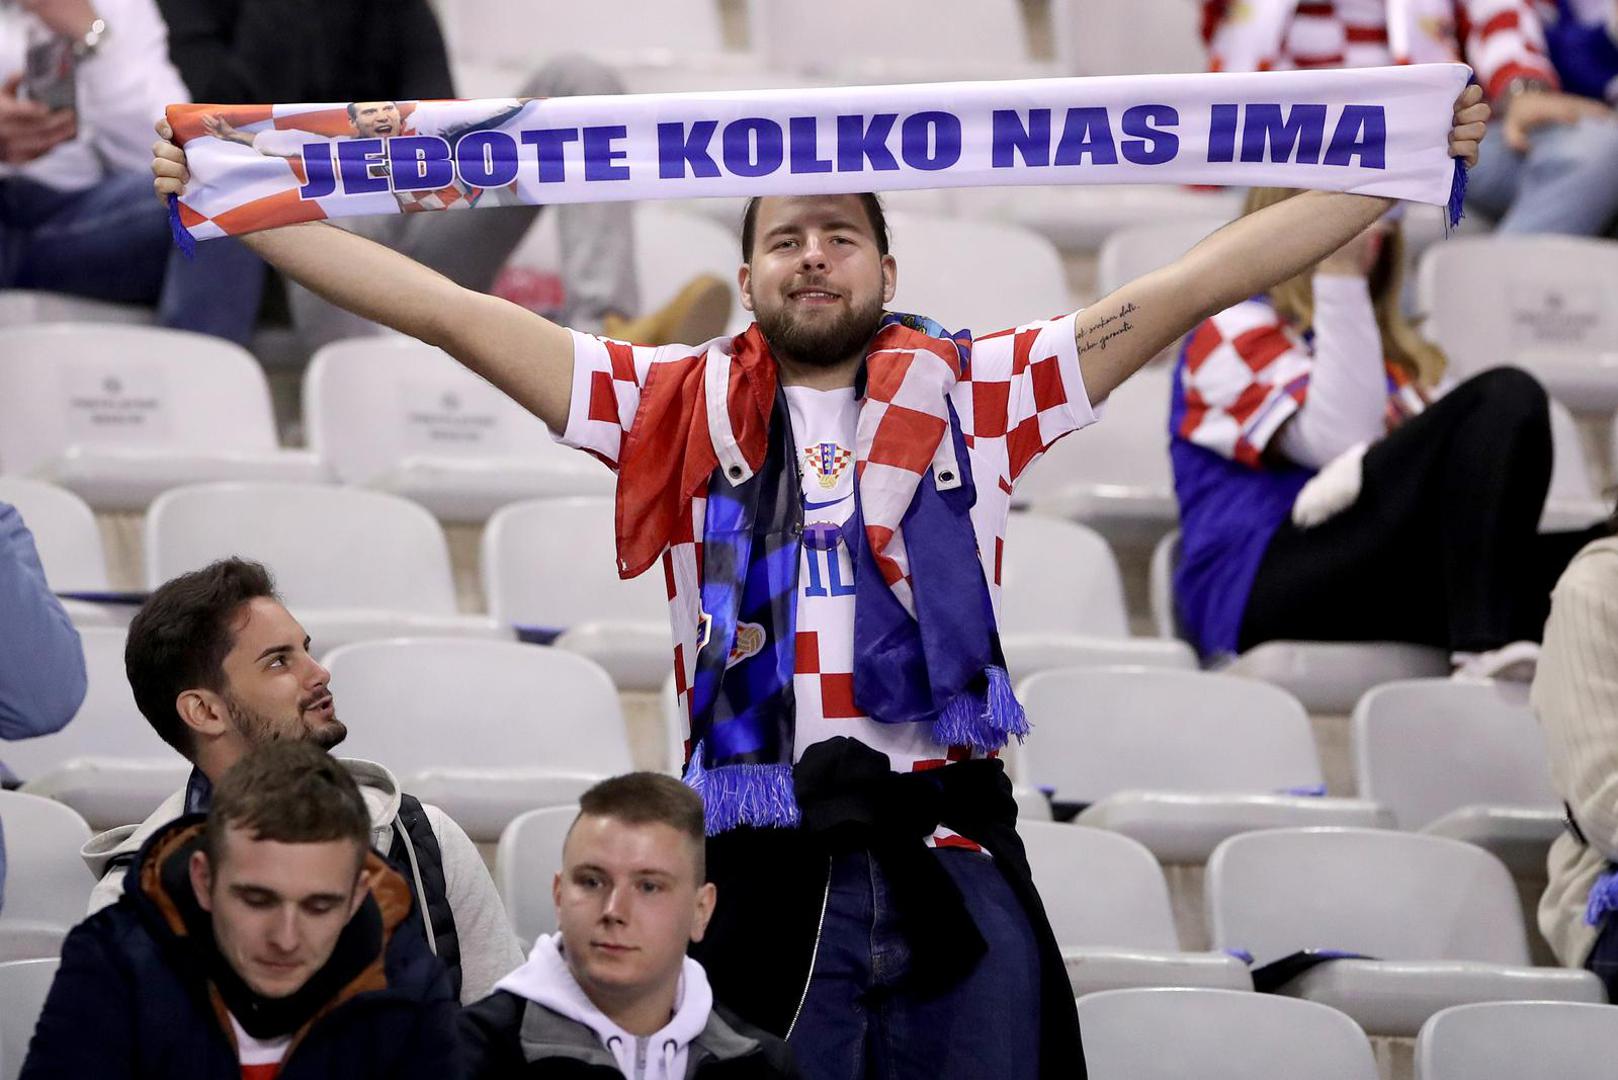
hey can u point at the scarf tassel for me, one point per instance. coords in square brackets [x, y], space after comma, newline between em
[983, 722]
[1457, 196]
[1603, 898]
[182, 237]
[734, 795]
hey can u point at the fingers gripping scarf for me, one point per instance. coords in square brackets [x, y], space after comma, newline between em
[924, 639]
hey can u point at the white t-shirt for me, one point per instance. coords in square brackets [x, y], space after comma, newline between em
[823, 427]
[261, 1059]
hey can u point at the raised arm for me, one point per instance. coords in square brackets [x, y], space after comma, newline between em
[1133, 324]
[527, 357]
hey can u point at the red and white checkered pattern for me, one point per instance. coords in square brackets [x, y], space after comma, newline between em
[1501, 39]
[1023, 392]
[1246, 373]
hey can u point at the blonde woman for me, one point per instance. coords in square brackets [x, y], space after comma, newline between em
[1333, 485]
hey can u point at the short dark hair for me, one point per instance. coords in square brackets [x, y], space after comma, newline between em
[180, 637]
[354, 112]
[873, 210]
[648, 798]
[290, 792]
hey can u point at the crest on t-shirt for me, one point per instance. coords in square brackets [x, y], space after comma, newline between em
[827, 461]
[749, 642]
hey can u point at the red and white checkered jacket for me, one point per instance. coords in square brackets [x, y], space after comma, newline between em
[1501, 39]
[1023, 392]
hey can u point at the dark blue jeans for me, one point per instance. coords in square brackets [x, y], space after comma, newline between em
[856, 1021]
[112, 242]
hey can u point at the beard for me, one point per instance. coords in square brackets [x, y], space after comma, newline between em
[257, 728]
[820, 342]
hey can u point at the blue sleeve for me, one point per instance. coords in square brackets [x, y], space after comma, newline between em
[41, 661]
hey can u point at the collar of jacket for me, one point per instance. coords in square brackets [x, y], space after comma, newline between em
[548, 1034]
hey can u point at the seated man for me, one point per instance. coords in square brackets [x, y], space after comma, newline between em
[615, 989]
[218, 666]
[263, 942]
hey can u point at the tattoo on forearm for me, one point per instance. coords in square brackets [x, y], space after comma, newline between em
[1098, 333]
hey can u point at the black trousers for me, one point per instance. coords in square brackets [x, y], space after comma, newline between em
[1442, 546]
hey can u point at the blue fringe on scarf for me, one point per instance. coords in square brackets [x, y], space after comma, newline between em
[1603, 897]
[182, 239]
[983, 723]
[1457, 196]
[732, 795]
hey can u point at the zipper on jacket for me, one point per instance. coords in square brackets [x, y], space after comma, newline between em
[814, 956]
[640, 1056]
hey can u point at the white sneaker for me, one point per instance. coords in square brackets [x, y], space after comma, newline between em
[1516, 662]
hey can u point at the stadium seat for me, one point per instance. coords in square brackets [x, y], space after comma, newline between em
[1463, 759]
[350, 564]
[107, 763]
[1574, 500]
[1171, 1034]
[526, 861]
[1062, 602]
[1136, 251]
[29, 941]
[396, 415]
[1178, 760]
[1095, 37]
[24, 985]
[69, 545]
[1543, 303]
[1440, 919]
[1326, 676]
[1115, 476]
[1109, 908]
[46, 882]
[483, 729]
[1027, 282]
[551, 563]
[1519, 1040]
[893, 42]
[119, 414]
[21, 306]
[1078, 219]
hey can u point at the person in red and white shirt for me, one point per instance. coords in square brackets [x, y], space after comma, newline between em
[1549, 166]
[837, 948]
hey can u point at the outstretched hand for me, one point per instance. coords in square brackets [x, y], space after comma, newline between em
[1470, 122]
[168, 164]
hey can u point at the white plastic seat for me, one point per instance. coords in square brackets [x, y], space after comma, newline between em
[1326, 676]
[1062, 602]
[30, 941]
[1574, 500]
[526, 861]
[1178, 760]
[1094, 37]
[1542, 303]
[498, 729]
[1494, 788]
[1440, 917]
[24, 985]
[22, 306]
[1171, 1034]
[1114, 477]
[396, 415]
[69, 545]
[854, 43]
[1518, 1040]
[351, 565]
[107, 763]
[1109, 908]
[551, 563]
[1021, 278]
[119, 414]
[1080, 218]
[1137, 250]
[46, 883]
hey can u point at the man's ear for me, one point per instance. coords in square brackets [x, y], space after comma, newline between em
[203, 712]
[707, 897]
[556, 890]
[202, 880]
[744, 281]
[362, 888]
[890, 278]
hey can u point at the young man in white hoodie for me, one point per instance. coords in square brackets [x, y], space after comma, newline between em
[613, 993]
[217, 666]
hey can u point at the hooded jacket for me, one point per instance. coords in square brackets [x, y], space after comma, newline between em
[134, 999]
[540, 1023]
[455, 876]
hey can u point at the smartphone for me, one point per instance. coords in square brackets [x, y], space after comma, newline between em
[48, 73]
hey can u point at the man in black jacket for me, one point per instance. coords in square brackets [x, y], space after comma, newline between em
[259, 942]
[614, 993]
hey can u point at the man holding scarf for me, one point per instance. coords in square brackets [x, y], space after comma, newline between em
[827, 493]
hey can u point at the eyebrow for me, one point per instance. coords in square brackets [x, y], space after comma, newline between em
[644, 871]
[835, 225]
[273, 649]
[242, 889]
